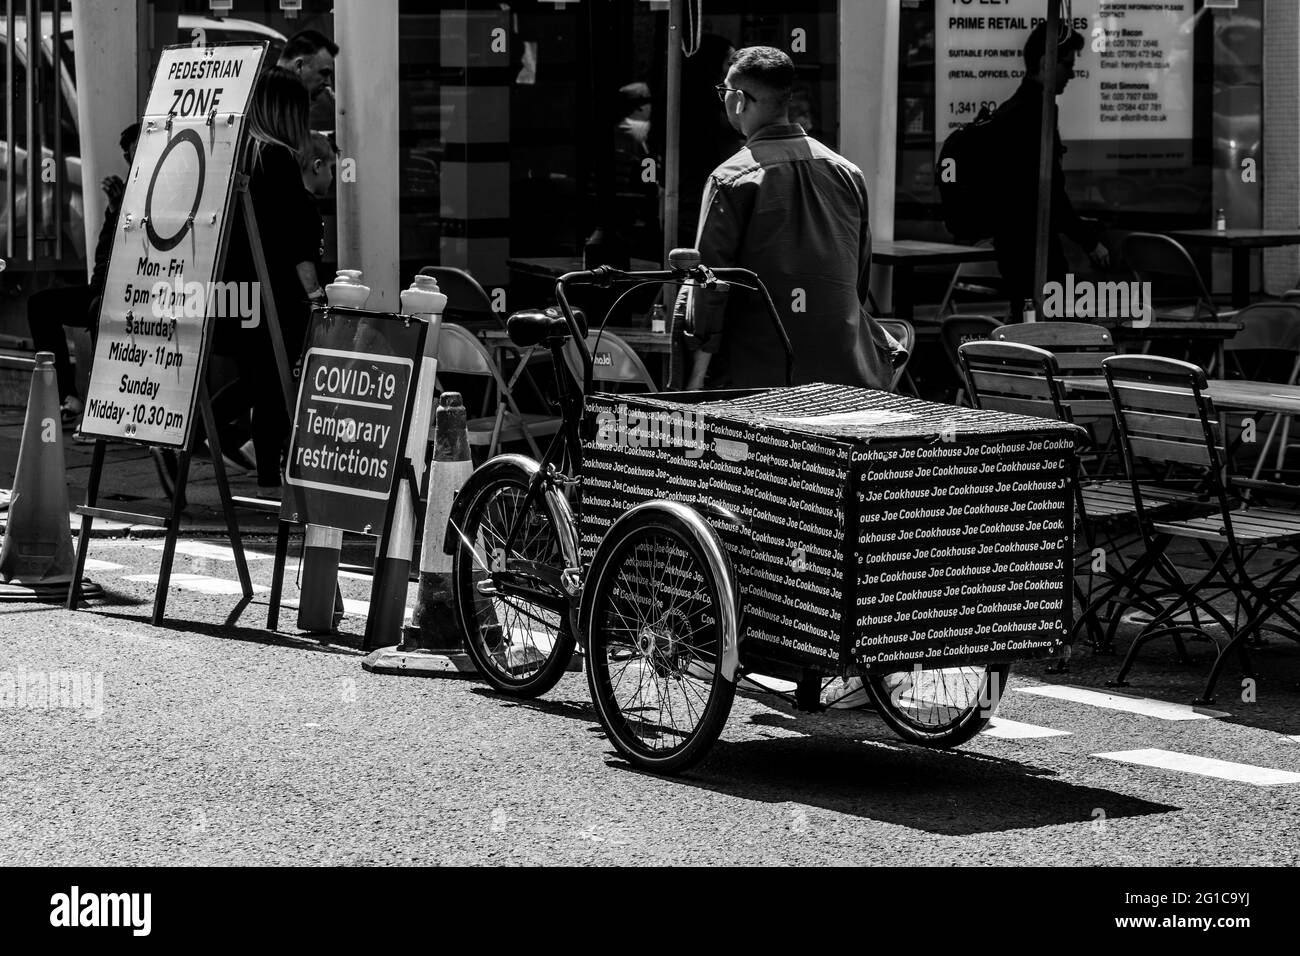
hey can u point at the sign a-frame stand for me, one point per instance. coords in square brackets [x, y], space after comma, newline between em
[197, 89]
[349, 463]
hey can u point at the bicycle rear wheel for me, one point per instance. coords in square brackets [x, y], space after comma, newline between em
[520, 646]
[939, 707]
[654, 644]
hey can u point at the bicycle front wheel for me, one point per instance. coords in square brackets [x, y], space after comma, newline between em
[512, 609]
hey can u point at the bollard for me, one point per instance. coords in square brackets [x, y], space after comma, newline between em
[431, 644]
[37, 561]
[318, 610]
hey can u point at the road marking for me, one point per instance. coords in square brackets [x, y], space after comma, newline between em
[197, 582]
[350, 606]
[1160, 709]
[94, 565]
[201, 549]
[1295, 737]
[1204, 766]
[1015, 730]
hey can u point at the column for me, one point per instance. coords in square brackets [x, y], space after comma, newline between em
[475, 187]
[368, 235]
[1280, 175]
[107, 34]
[869, 110]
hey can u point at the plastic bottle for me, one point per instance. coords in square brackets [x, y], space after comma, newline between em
[423, 297]
[1028, 311]
[1221, 222]
[347, 290]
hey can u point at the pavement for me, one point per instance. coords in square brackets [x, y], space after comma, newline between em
[131, 483]
[219, 742]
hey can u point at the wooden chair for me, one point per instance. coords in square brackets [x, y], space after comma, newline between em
[1164, 416]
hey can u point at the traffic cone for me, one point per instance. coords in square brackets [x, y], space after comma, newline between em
[37, 561]
[431, 643]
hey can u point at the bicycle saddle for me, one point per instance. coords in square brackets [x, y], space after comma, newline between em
[534, 326]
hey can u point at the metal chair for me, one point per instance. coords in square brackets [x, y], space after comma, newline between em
[979, 279]
[614, 362]
[905, 335]
[954, 332]
[1164, 416]
[1173, 276]
[461, 353]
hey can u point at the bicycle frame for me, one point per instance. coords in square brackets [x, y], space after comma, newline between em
[561, 464]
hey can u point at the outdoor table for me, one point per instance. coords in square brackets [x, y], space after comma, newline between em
[1241, 242]
[904, 255]
[1213, 332]
[1227, 394]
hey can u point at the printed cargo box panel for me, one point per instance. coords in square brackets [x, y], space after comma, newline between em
[830, 482]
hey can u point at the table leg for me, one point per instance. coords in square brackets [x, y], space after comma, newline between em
[902, 292]
[1241, 277]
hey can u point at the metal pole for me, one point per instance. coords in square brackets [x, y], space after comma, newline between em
[11, 151]
[56, 55]
[1046, 146]
[672, 126]
[33, 10]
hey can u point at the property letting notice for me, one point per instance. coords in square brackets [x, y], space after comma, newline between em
[158, 304]
[1133, 80]
[353, 400]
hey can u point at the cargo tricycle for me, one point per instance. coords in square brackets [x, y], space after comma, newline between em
[683, 542]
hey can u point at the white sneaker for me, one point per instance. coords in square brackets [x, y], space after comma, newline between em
[846, 695]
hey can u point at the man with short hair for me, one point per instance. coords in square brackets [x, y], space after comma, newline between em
[1019, 124]
[310, 54]
[794, 212]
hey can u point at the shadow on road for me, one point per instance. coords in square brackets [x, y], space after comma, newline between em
[246, 634]
[952, 793]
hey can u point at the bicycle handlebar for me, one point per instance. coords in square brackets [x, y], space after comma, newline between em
[687, 269]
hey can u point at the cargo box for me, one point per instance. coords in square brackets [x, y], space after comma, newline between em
[877, 530]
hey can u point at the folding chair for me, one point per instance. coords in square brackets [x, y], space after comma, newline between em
[614, 362]
[1267, 349]
[905, 335]
[1078, 348]
[460, 353]
[1024, 380]
[1173, 276]
[979, 279]
[955, 331]
[1165, 417]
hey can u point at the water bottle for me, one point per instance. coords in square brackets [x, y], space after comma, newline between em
[1028, 311]
[659, 319]
[1221, 222]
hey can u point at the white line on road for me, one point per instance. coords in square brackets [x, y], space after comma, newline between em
[1160, 709]
[1204, 766]
[350, 606]
[197, 582]
[1015, 730]
[94, 565]
[201, 549]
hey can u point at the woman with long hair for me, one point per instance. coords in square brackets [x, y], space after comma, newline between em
[289, 226]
